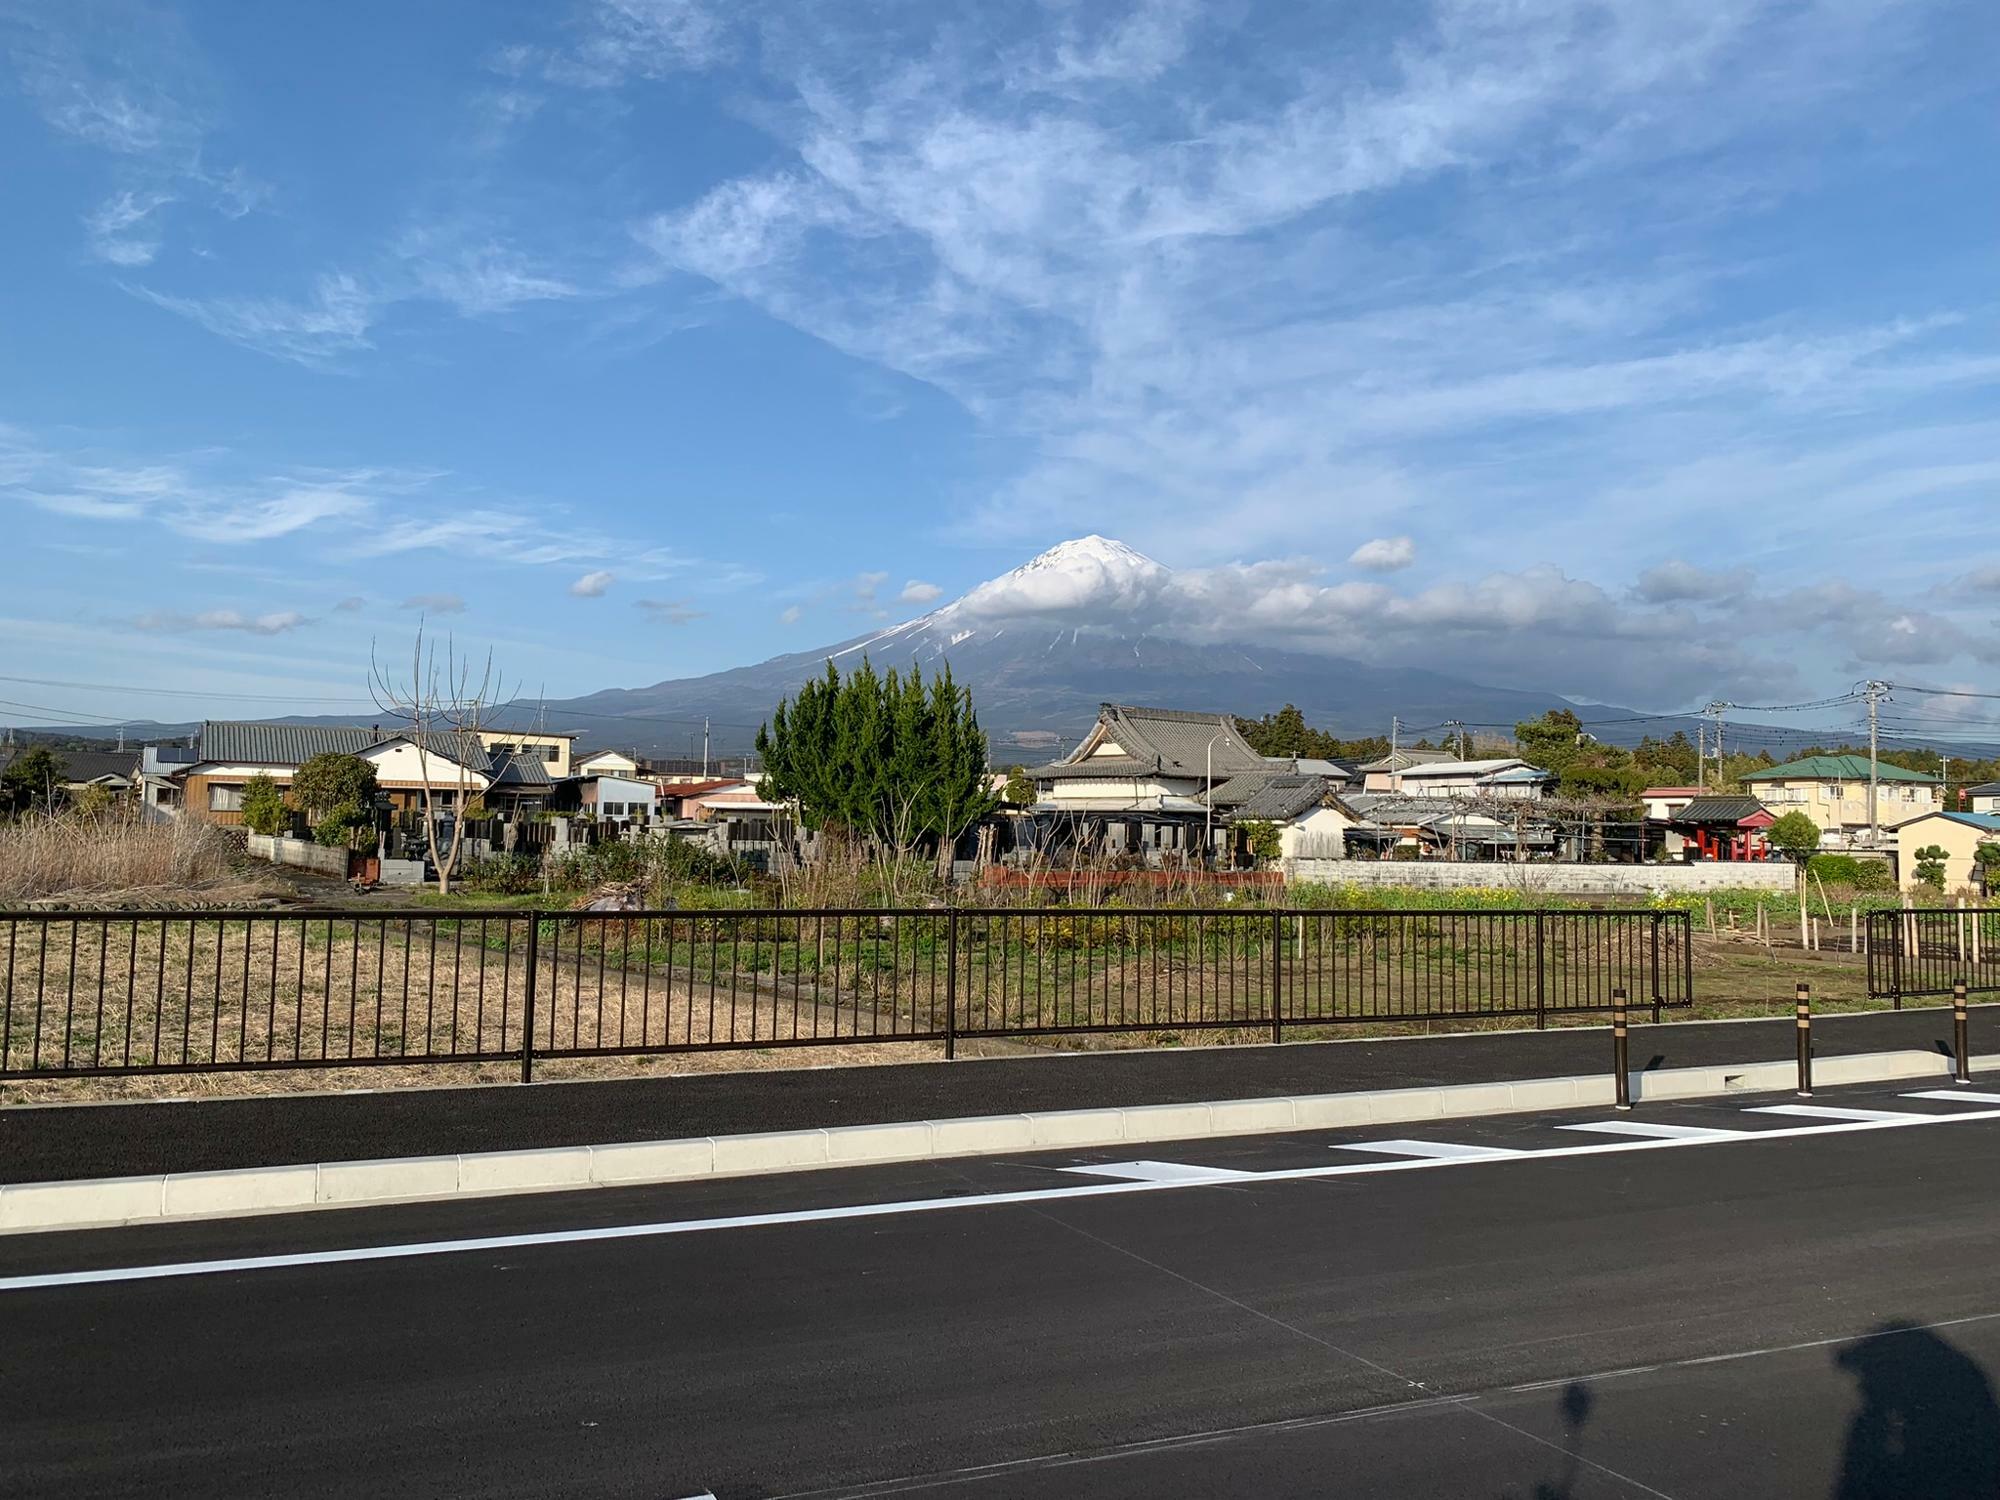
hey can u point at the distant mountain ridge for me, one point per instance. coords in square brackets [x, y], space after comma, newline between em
[1037, 679]
[1033, 648]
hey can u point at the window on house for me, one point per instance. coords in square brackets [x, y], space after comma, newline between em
[224, 798]
[1832, 790]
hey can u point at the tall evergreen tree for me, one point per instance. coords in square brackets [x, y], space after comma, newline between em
[889, 758]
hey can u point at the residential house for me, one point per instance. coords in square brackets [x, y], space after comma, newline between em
[1506, 776]
[231, 752]
[550, 748]
[677, 798]
[113, 770]
[1832, 790]
[1661, 804]
[158, 767]
[1137, 782]
[1299, 805]
[608, 797]
[606, 763]
[1984, 798]
[1385, 774]
[1958, 834]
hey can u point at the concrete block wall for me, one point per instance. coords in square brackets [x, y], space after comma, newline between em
[1549, 879]
[300, 853]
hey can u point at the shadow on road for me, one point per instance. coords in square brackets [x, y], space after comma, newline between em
[1928, 1423]
[1927, 1426]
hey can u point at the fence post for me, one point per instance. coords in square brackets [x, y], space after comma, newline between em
[528, 1005]
[1656, 967]
[1802, 1005]
[951, 984]
[1541, 987]
[1620, 1061]
[1277, 976]
[1961, 1045]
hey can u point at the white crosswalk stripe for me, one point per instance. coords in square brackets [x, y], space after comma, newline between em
[1830, 1112]
[1657, 1132]
[1437, 1150]
[1967, 1096]
[1157, 1171]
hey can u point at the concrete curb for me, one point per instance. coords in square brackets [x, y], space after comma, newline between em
[106, 1201]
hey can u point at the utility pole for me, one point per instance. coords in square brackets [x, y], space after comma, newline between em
[1715, 711]
[1451, 724]
[1701, 753]
[1944, 782]
[704, 748]
[1873, 691]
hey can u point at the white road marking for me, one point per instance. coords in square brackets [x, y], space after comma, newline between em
[1659, 1132]
[1831, 1112]
[1440, 1150]
[1158, 1171]
[499, 1242]
[1957, 1096]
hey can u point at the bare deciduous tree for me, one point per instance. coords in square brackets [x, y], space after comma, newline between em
[445, 707]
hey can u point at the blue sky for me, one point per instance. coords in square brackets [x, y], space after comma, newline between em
[1645, 352]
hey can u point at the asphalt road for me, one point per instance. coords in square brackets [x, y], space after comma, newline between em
[48, 1143]
[1509, 1307]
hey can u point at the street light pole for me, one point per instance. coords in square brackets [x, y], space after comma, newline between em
[1208, 802]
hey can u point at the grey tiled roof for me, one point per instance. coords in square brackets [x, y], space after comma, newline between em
[294, 744]
[1096, 767]
[1719, 809]
[1402, 760]
[91, 765]
[1276, 798]
[519, 770]
[1168, 742]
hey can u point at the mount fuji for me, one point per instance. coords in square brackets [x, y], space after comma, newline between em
[1087, 622]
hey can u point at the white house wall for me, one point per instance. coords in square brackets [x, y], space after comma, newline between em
[400, 764]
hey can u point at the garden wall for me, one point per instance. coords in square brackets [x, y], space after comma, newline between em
[301, 853]
[1554, 880]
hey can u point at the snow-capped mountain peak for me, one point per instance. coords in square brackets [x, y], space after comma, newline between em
[1090, 576]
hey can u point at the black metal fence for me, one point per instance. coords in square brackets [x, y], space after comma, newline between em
[95, 993]
[1928, 950]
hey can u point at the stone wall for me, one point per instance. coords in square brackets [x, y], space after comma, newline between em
[1552, 879]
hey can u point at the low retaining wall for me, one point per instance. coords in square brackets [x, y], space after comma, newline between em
[300, 853]
[1555, 880]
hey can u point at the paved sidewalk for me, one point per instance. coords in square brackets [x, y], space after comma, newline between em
[62, 1142]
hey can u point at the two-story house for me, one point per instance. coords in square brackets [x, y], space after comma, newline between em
[1984, 798]
[1138, 781]
[1507, 776]
[1832, 790]
[548, 748]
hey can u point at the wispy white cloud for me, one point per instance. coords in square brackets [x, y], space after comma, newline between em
[592, 585]
[333, 320]
[624, 39]
[1384, 554]
[123, 230]
[916, 591]
[131, 84]
[273, 623]
[436, 604]
[670, 611]
[1201, 307]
